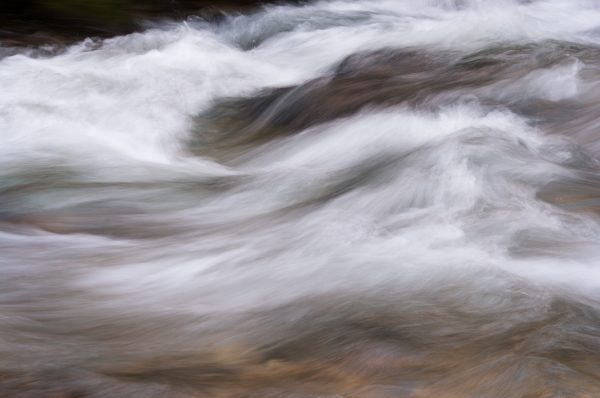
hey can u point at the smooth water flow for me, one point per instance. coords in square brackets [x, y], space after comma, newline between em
[389, 198]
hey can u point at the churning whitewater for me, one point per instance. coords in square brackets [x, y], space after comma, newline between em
[387, 198]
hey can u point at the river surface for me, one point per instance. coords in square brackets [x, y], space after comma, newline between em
[367, 199]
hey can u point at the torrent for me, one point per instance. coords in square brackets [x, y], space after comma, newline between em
[362, 199]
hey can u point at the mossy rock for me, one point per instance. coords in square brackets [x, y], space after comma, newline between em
[102, 14]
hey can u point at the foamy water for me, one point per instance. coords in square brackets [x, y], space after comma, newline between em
[341, 199]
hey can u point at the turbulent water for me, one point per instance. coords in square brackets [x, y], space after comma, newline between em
[389, 198]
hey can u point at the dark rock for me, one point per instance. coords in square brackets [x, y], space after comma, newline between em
[35, 22]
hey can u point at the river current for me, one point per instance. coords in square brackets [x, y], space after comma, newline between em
[387, 198]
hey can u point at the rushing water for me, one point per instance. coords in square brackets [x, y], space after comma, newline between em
[390, 198]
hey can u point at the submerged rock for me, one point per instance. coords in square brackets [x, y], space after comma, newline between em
[415, 78]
